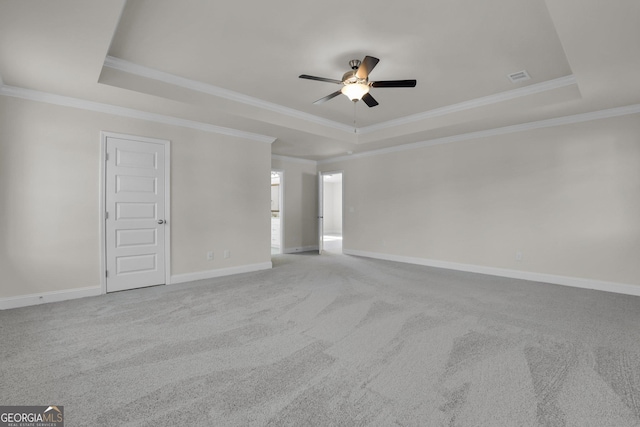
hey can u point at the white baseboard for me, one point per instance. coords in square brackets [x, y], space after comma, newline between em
[44, 297]
[210, 274]
[576, 282]
[300, 249]
[67, 294]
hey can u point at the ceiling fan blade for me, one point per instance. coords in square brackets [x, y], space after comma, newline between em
[369, 100]
[368, 64]
[328, 97]
[320, 79]
[394, 83]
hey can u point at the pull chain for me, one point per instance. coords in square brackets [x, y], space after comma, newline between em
[355, 129]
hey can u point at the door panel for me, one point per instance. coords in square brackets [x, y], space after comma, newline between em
[136, 184]
[136, 264]
[136, 211]
[135, 204]
[144, 237]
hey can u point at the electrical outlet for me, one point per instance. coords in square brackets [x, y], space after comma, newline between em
[210, 256]
[518, 255]
[227, 253]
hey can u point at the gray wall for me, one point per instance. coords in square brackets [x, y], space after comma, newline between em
[49, 196]
[566, 197]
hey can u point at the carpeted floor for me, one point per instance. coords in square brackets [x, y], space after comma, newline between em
[331, 340]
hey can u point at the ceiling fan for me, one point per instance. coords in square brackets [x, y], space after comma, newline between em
[356, 82]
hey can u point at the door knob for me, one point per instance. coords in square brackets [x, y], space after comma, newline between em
[161, 221]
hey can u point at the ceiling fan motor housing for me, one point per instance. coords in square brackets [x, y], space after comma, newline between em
[350, 78]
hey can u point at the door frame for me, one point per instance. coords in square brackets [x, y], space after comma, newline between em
[280, 172]
[103, 195]
[321, 175]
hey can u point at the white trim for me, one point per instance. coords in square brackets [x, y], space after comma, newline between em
[209, 89]
[576, 282]
[321, 201]
[102, 194]
[281, 205]
[293, 159]
[300, 249]
[66, 101]
[320, 218]
[220, 272]
[474, 103]
[140, 70]
[558, 121]
[102, 228]
[206, 127]
[46, 297]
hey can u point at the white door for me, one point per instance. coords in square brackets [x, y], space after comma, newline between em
[135, 213]
[320, 213]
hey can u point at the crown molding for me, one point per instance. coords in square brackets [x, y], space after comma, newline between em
[209, 89]
[474, 103]
[66, 101]
[142, 71]
[293, 159]
[559, 121]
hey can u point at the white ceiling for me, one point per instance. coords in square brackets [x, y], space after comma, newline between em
[236, 64]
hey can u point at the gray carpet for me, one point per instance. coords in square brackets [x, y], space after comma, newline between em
[331, 340]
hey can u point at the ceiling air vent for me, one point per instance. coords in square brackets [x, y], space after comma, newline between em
[520, 76]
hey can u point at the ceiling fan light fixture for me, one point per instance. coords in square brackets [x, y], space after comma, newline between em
[356, 84]
[355, 91]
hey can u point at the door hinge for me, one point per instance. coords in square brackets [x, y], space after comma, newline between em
[106, 157]
[106, 215]
[106, 273]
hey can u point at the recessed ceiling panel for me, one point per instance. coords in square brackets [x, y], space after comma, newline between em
[457, 50]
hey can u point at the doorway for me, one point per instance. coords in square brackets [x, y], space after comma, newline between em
[330, 210]
[277, 212]
[135, 210]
